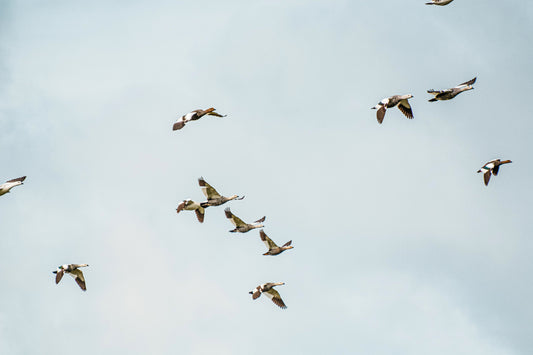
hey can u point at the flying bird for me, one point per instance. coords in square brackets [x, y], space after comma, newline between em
[439, 2]
[448, 94]
[190, 205]
[396, 100]
[240, 226]
[268, 290]
[273, 249]
[492, 167]
[193, 116]
[72, 270]
[213, 197]
[8, 185]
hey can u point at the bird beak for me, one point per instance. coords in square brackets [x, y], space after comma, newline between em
[54, 272]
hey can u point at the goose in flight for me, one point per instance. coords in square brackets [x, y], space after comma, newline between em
[439, 2]
[8, 185]
[240, 226]
[213, 197]
[72, 270]
[268, 290]
[190, 205]
[449, 94]
[193, 116]
[396, 100]
[492, 167]
[273, 249]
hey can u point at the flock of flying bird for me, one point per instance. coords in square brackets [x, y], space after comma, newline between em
[490, 168]
[215, 199]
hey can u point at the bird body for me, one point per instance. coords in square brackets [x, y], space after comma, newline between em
[268, 290]
[492, 167]
[193, 116]
[448, 94]
[241, 226]
[396, 100]
[190, 205]
[439, 2]
[72, 270]
[213, 197]
[8, 185]
[273, 249]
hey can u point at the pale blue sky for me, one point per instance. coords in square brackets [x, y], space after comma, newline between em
[399, 247]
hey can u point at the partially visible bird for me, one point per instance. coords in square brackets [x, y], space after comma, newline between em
[449, 94]
[193, 116]
[240, 226]
[190, 205]
[493, 167]
[400, 100]
[273, 249]
[213, 197]
[439, 2]
[268, 290]
[8, 185]
[72, 270]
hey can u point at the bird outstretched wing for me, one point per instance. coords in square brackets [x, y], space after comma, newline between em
[275, 297]
[405, 108]
[208, 190]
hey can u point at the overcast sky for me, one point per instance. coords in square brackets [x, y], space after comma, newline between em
[399, 248]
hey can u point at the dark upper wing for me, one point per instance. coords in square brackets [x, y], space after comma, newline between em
[81, 283]
[269, 243]
[234, 219]
[260, 220]
[469, 82]
[275, 297]
[228, 213]
[216, 114]
[405, 108]
[208, 190]
[59, 275]
[199, 215]
[495, 170]
[178, 125]
[257, 293]
[486, 177]
[381, 114]
[80, 280]
[181, 206]
[21, 179]
[288, 243]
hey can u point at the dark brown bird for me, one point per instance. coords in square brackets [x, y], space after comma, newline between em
[190, 205]
[72, 270]
[273, 249]
[396, 100]
[492, 167]
[448, 94]
[193, 116]
[268, 290]
[213, 197]
[240, 226]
